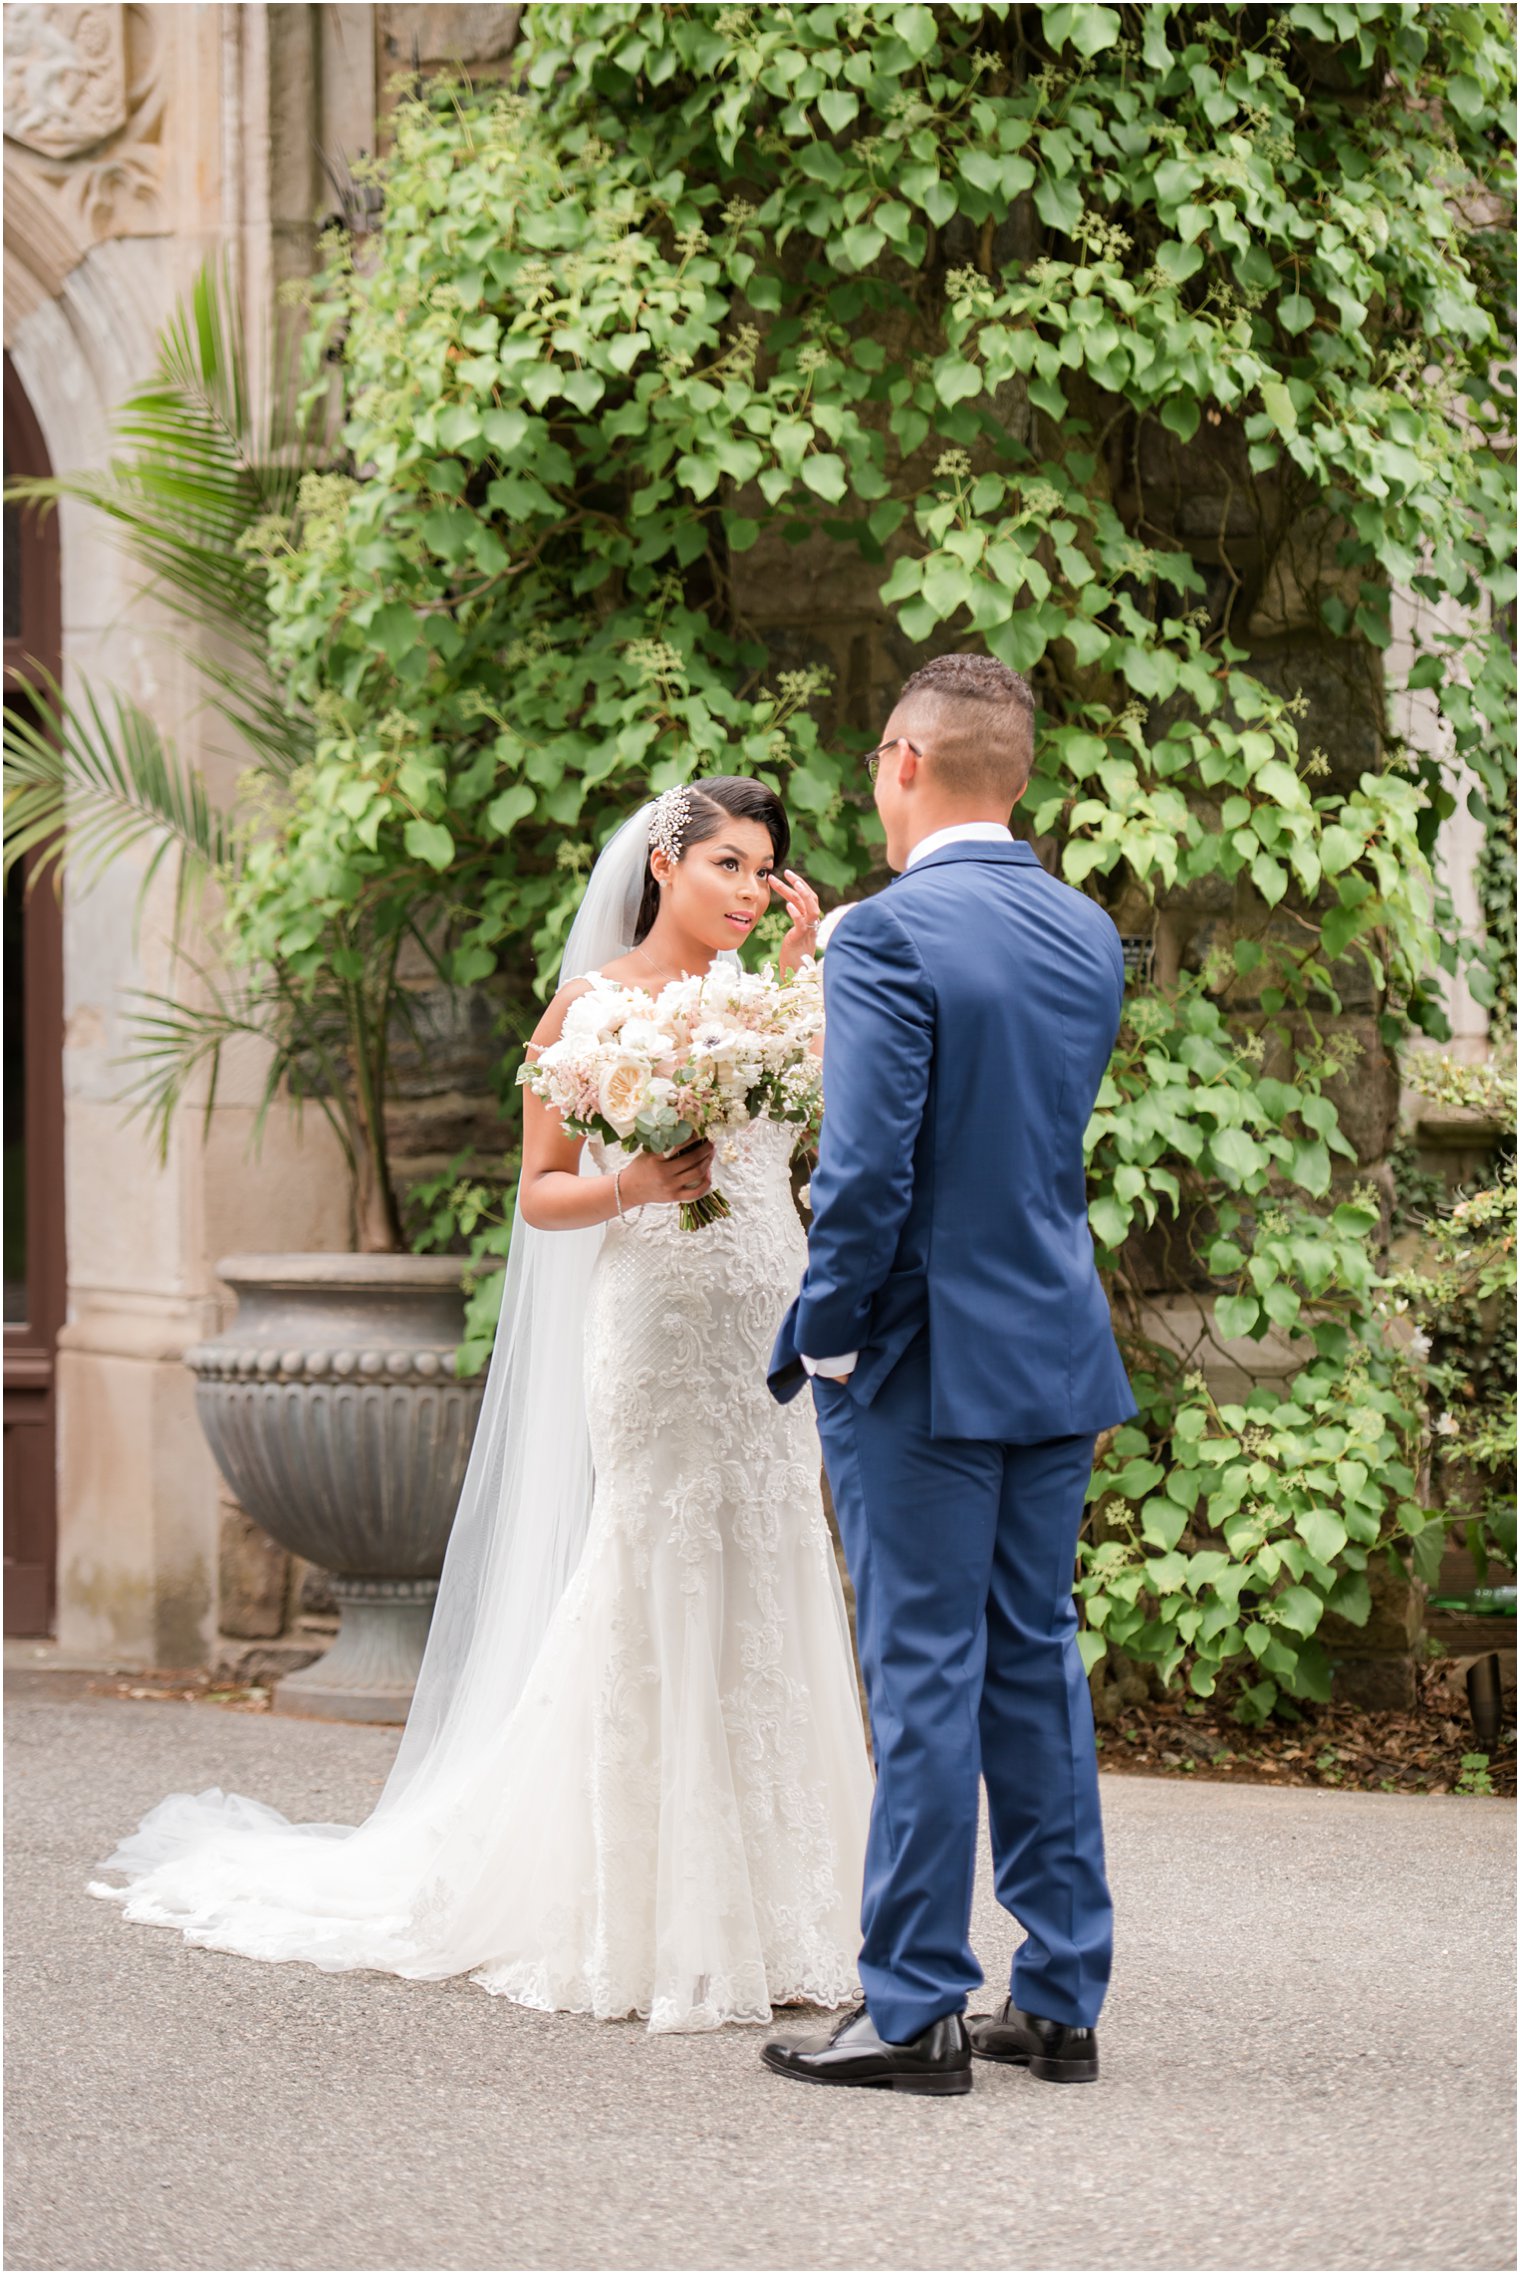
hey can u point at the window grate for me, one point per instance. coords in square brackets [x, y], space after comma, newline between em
[1139, 957]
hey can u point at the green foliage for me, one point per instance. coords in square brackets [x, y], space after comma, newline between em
[987, 304]
[950, 291]
[1226, 1542]
[1498, 889]
[457, 1210]
[695, 285]
[1452, 1295]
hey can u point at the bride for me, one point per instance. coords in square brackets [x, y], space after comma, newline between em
[634, 1776]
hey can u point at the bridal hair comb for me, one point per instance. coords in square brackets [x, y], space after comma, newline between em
[669, 821]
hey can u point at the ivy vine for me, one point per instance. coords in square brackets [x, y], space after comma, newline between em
[978, 302]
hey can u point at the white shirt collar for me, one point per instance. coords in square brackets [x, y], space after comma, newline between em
[978, 832]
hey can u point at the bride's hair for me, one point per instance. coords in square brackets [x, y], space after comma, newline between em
[731, 796]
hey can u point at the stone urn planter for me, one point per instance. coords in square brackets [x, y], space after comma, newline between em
[333, 1411]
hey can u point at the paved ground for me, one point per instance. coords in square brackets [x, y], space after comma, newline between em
[1307, 2062]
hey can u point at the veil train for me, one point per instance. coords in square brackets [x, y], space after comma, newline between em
[233, 1874]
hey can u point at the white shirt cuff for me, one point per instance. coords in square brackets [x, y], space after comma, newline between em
[832, 1369]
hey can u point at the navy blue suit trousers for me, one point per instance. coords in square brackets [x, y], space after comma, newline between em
[962, 1553]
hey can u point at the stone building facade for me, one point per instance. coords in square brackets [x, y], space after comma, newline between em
[139, 140]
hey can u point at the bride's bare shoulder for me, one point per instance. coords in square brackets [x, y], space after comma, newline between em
[628, 971]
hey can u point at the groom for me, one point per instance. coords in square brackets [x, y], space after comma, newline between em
[962, 1363]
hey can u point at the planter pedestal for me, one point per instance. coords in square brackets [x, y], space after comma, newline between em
[333, 1411]
[370, 1670]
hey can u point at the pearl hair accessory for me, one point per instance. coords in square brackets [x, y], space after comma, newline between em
[669, 821]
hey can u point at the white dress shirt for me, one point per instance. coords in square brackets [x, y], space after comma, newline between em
[976, 832]
[970, 832]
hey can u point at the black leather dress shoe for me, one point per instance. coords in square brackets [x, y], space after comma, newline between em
[938, 2061]
[1046, 2049]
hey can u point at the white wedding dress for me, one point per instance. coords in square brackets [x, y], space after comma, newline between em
[671, 1819]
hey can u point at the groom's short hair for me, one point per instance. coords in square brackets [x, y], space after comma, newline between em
[980, 722]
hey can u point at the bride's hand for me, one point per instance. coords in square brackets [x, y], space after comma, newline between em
[801, 903]
[668, 1177]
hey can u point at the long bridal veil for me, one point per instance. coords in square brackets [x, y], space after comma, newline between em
[521, 1522]
[234, 1874]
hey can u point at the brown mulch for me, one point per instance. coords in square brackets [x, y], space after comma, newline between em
[1431, 1748]
[174, 1688]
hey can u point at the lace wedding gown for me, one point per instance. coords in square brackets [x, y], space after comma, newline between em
[671, 1821]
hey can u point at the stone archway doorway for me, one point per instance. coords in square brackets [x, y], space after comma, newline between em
[35, 1284]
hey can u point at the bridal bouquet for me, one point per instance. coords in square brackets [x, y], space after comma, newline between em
[700, 1057]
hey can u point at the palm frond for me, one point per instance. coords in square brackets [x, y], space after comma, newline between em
[208, 452]
[175, 1044]
[277, 738]
[87, 780]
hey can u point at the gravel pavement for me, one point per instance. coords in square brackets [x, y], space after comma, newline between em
[1307, 2061]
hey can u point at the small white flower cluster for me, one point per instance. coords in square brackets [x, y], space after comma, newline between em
[704, 1055]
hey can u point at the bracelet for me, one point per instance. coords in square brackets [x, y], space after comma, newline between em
[616, 1193]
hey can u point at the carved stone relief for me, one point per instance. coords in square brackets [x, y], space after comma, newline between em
[65, 78]
[84, 114]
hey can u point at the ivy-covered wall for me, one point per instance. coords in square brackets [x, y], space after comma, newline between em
[702, 379]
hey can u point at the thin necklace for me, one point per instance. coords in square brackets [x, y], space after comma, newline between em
[654, 967]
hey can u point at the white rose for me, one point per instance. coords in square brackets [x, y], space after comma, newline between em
[649, 1040]
[622, 1091]
[585, 1018]
[599, 1014]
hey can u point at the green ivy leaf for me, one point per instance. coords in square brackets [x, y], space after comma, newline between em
[824, 474]
[1179, 261]
[1238, 1155]
[1109, 1219]
[429, 841]
[1299, 1608]
[1236, 1315]
[1279, 405]
[1322, 1533]
[513, 805]
[862, 243]
[1059, 204]
[1162, 1522]
[1351, 1598]
[1180, 415]
[1086, 28]
[955, 380]
[395, 629]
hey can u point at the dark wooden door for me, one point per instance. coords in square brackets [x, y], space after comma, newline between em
[33, 1102]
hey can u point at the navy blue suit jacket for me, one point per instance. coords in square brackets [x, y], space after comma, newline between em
[972, 1008]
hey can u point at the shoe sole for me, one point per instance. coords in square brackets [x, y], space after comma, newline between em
[1041, 2066]
[929, 2087]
